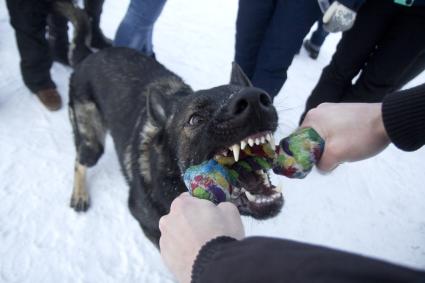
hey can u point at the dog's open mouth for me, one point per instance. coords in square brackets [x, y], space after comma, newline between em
[248, 163]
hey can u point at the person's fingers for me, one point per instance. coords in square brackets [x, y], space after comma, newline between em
[312, 120]
[228, 208]
[185, 194]
[162, 223]
[231, 212]
[329, 160]
[327, 16]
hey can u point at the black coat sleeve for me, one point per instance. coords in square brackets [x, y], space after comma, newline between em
[260, 259]
[403, 114]
[352, 4]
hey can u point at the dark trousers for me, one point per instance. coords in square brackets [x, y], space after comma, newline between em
[319, 35]
[384, 45]
[268, 35]
[28, 18]
[58, 37]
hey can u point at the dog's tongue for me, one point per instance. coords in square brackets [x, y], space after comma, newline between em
[294, 157]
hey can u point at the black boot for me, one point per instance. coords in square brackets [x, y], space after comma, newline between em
[58, 38]
[312, 50]
[93, 9]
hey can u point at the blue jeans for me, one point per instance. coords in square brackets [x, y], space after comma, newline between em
[135, 30]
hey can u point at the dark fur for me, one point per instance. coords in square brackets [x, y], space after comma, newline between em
[82, 28]
[158, 124]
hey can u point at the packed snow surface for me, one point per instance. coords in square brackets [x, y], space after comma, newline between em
[374, 207]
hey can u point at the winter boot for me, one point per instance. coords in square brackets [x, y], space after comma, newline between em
[312, 50]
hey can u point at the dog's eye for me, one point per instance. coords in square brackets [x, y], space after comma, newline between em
[195, 120]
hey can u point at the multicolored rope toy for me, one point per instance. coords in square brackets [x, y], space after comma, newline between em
[297, 154]
[294, 158]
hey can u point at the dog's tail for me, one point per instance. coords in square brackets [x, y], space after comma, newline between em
[82, 32]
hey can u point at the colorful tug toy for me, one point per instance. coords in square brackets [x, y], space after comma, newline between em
[294, 157]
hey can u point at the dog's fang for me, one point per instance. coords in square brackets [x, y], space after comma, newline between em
[236, 150]
[249, 196]
[268, 137]
[277, 189]
[271, 142]
[250, 142]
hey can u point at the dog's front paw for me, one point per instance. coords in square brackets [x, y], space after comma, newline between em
[80, 202]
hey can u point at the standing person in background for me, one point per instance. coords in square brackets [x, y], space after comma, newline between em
[136, 29]
[269, 33]
[29, 18]
[202, 242]
[384, 45]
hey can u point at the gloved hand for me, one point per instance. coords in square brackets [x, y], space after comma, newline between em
[337, 17]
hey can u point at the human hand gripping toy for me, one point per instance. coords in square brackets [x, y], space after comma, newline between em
[294, 157]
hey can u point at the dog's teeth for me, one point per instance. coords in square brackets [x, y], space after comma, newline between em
[243, 190]
[268, 137]
[257, 141]
[243, 145]
[250, 142]
[271, 142]
[263, 140]
[277, 189]
[236, 150]
[249, 196]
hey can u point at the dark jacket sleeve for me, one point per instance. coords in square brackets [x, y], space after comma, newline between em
[403, 114]
[352, 4]
[260, 259]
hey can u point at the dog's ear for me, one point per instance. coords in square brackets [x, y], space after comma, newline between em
[238, 77]
[157, 107]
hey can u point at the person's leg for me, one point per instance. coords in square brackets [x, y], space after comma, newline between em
[251, 24]
[413, 70]
[290, 23]
[94, 10]
[352, 52]
[316, 40]
[135, 30]
[401, 46]
[29, 21]
[58, 37]
[319, 35]
[30, 27]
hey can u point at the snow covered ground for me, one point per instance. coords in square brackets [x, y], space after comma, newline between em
[374, 207]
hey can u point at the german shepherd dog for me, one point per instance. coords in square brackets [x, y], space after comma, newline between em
[160, 127]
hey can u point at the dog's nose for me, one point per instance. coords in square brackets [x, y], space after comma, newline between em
[250, 99]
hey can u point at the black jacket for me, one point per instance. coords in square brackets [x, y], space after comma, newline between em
[269, 260]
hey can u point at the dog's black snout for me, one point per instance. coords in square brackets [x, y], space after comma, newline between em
[250, 99]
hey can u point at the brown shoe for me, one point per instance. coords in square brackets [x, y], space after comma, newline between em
[50, 98]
